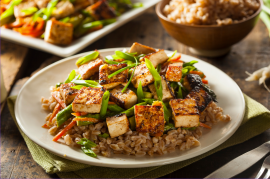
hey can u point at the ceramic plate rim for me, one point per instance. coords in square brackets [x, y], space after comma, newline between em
[136, 165]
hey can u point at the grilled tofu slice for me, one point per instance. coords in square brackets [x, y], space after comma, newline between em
[142, 74]
[167, 91]
[150, 119]
[174, 71]
[125, 100]
[63, 9]
[201, 97]
[185, 112]
[42, 3]
[81, 4]
[22, 6]
[68, 93]
[194, 80]
[106, 69]
[156, 57]
[141, 49]
[88, 100]
[101, 10]
[58, 32]
[89, 69]
[117, 125]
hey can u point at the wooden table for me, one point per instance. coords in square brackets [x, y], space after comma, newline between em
[249, 55]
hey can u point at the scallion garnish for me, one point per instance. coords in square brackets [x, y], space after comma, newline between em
[121, 70]
[104, 105]
[87, 58]
[140, 94]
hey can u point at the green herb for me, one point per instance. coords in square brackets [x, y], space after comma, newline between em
[115, 108]
[49, 10]
[77, 87]
[210, 92]
[147, 95]
[121, 70]
[64, 115]
[149, 101]
[172, 55]
[96, 116]
[83, 123]
[91, 25]
[30, 10]
[173, 85]
[104, 135]
[132, 123]
[39, 13]
[76, 20]
[80, 30]
[65, 20]
[86, 147]
[189, 128]
[179, 94]
[157, 78]
[104, 105]
[8, 15]
[58, 84]
[158, 68]
[125, 56]
[186, 70]
[169, 127]
[167, 113]
[111, 62]
[140, 94]
[130, 112]
[129, 81]
[86, 83]
[71, 76]
[191, 63]
[108, 21]
[90, 57]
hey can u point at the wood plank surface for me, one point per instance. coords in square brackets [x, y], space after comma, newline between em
[249, 55]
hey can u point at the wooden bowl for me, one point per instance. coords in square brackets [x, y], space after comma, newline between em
[207, 40]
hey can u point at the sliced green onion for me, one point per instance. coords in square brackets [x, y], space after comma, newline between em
[7, 16]
[172, 55]
[58, 84]
[108, 21]
[130, 112]
[104, 105]
[71, 76]
[90, 57]
[96, 116]
[140, 94]
[30, 10]
[86, 147]
[39, 13]
[87, 83]
[92, 24]
[109, 58]
[191, 63]
[50, 7]
[83, 123]
[65, 20]
[158, 68]
[64, 115]
[111, 62]
[149, 101]
[124, 55]
[179, 94]
[121, 70]
[169, 127]
[132, 123]
[77, 87]
[115, 108]
[104, 135]
[147, 95]
[129, 81]
[167, 113]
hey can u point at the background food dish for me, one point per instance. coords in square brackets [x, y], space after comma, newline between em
[30, 116]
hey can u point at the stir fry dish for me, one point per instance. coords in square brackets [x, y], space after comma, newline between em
[135, 102]
[61, 21]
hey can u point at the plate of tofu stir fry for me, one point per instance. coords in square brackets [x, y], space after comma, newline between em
[64, 27]
[130, 107]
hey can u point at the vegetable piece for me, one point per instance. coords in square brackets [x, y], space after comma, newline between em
[7, 16]
[39, 13]
[58, 99]
[85, 59]
[45, 126]
[104, 135]
[80, 30]
[115, 108]
[169, 127]
[83, 123]
[124, 89]
[130, 112]
[58, 84]
[76, 20]
[132, 123]
[205, 126]
[191, 63]
[125, 56]
[55, 111]
[190, 128]
[172, 55]
[157, 78]
[140, 94]
[205, 81]
[64, 115]
[147, 95]
[65, 20]
[104, 105]
[180, 94]
[167, 113]
[30, 10]
[86, 147]
[121, 70]
[87, 83]
[60, 134]
[50, 7]
[210, 92]
[71, 76]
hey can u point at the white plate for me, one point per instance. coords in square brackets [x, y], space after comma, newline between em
[79, 44]
[31, 117]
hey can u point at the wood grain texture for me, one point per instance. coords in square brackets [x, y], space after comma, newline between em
[249, 55]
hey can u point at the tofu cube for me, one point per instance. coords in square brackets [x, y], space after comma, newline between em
[125, 100]
[157, 57]
[68, 93]
[174, 71]
[109, 83]
[57, 32]
[150, 119]
[142, 74]
[89, 69]
[22, 6]
[101, 10]
[141, 49]
[201, 97]
[63, 9]
[185, 112]
[88, 100]
[117, 125]
[167, 91]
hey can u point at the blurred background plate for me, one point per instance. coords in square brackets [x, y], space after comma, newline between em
[79, 44]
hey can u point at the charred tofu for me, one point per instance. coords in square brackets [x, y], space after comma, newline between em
[150, 119]
[194, 80]
[201, 97]
[109, 83]
[101, 10]
[68, 93]
[141, 49]
[42, 3]
[88, 100]
[157, 57]
[63, 9]
[89, 69]
[125, 100]
[142, 74]
[174, 71]
[22, 6]
[117, 125]
[185, 112]
[167, 91]
[58, 32]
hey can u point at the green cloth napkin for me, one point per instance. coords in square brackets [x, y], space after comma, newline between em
[256, 121]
